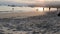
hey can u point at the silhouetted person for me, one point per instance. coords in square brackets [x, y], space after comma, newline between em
[36, 9]
[59, 14]
[12, 9]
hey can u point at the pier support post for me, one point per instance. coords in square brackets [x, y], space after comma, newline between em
[49, 8]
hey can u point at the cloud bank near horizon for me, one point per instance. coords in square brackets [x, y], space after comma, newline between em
[20, 1]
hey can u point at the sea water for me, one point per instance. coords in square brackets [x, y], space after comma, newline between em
[16, 9]
[8, 9]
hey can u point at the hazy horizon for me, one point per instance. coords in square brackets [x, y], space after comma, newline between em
[27, 1]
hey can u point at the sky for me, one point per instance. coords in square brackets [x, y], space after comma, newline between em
[31, 1]
[28, 0]
[19, 0]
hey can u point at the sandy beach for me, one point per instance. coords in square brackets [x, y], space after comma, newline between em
[34, 24]
[21, 14]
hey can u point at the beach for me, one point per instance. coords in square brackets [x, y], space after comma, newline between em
[32, 23]
[20, 14]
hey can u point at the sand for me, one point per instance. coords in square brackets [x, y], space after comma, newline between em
[20, 14]
[49, 23]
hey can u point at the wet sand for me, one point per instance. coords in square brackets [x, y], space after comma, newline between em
[20, 14]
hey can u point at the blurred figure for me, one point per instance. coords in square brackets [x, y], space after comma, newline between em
[59, 14]
[12, 9]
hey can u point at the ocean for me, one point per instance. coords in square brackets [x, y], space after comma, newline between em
[16, 9]
[5, 9]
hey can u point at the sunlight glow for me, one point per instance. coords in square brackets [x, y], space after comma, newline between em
[40, 9]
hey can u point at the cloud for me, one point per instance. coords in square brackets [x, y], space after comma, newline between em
[28, 1]
[19, 1]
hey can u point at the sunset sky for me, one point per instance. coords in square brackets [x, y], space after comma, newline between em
[33, 1]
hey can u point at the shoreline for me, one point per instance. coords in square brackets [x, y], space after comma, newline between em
[20, 14]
